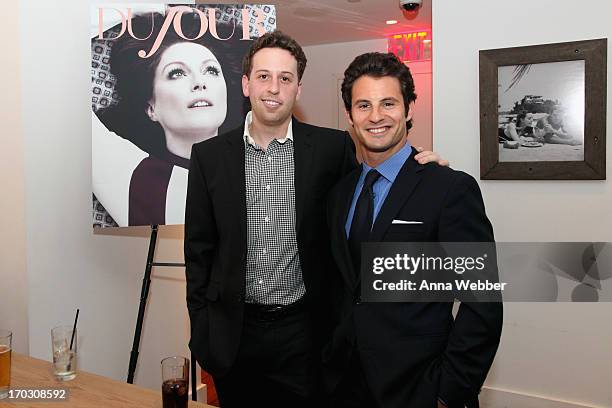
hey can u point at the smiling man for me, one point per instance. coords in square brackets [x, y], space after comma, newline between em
[256, 245]
[404, 355]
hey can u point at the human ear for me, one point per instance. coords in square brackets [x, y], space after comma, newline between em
[245, 86]
[151, 112]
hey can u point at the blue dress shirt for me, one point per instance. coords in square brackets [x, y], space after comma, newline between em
[389, 170]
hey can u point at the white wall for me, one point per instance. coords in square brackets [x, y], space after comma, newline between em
[561, 351]
[326, 65]
[68, 266]
[320, 87]
[557, 350]
[13, 279]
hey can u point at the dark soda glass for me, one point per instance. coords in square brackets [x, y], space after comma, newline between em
[175, 393]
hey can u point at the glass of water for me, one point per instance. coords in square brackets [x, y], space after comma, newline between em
[64, 356]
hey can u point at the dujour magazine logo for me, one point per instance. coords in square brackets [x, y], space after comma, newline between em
[163, 78]
[174, 17]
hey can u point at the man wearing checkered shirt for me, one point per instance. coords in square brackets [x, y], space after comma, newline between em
[256, 244]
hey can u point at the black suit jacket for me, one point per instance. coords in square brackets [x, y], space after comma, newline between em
[216, 234]
[413, 353]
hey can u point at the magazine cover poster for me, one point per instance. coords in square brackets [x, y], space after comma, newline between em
[163, 77]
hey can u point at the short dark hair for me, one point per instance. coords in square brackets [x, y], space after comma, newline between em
[275, 39]
[135, 75]
[378, 65]
[520, 116]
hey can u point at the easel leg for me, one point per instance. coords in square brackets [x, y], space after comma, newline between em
[144, 294]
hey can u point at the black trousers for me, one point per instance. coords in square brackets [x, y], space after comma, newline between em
[277, 365]
[353, 390]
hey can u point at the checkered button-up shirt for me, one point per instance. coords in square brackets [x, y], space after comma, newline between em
[273, 271]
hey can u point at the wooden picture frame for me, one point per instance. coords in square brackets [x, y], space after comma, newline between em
[590, 58]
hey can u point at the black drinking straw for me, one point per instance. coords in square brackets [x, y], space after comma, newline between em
[74, 328]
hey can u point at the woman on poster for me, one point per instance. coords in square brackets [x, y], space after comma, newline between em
[186, 92]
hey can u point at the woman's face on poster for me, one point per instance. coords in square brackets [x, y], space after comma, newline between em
[189, 92]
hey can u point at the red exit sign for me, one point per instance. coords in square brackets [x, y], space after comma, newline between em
[411, 47]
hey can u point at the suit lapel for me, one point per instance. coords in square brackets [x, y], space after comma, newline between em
[237, 179]
[302, 158]
[345, 198]
[403, 186]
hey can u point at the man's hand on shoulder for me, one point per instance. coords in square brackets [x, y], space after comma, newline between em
[426, 156]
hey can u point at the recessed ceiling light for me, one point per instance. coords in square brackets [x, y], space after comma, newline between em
[353, 1]
[391, 22]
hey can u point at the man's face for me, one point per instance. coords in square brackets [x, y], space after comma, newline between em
[556, 116]
[378, 114]
[272, 86]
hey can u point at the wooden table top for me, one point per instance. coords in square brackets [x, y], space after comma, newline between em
[86, 390]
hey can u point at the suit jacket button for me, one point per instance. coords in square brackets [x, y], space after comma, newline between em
[358, 300]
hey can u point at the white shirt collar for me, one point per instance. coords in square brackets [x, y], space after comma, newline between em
[247, 134]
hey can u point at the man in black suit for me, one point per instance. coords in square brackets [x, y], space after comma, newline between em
[402, 354]
[257, 252]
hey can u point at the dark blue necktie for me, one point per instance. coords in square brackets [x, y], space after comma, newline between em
[362, 218]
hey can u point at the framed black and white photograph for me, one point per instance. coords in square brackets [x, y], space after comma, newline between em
[543, 111]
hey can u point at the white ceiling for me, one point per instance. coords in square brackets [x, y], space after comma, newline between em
[330, 21]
